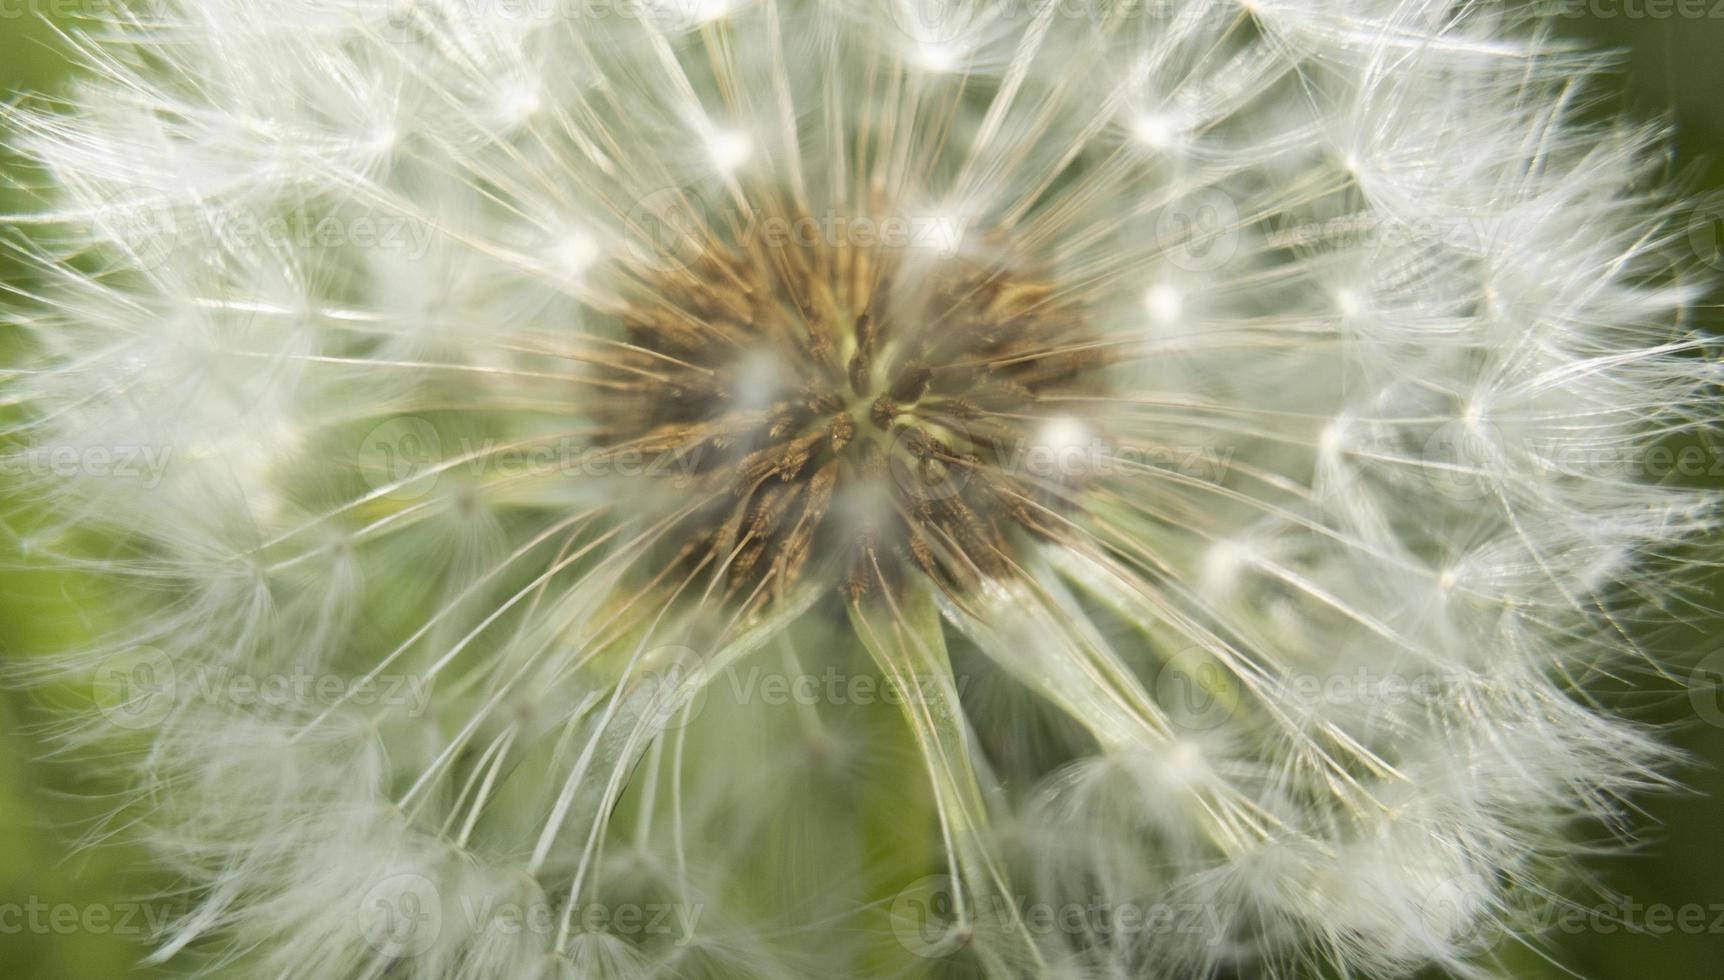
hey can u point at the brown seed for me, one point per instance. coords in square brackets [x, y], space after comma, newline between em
[882, 412]
[842, 430]
[910, 383]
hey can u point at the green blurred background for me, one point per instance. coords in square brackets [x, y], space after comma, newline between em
[1673, 68]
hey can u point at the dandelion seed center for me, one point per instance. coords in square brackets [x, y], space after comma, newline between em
[862, 411]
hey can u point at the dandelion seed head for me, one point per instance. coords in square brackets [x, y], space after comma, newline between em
[532, 382]
[919, 379]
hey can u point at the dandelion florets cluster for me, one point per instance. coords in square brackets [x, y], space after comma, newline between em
[818, 383]
[1168, 452]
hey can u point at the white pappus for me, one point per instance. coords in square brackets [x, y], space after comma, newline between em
[784, 488]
